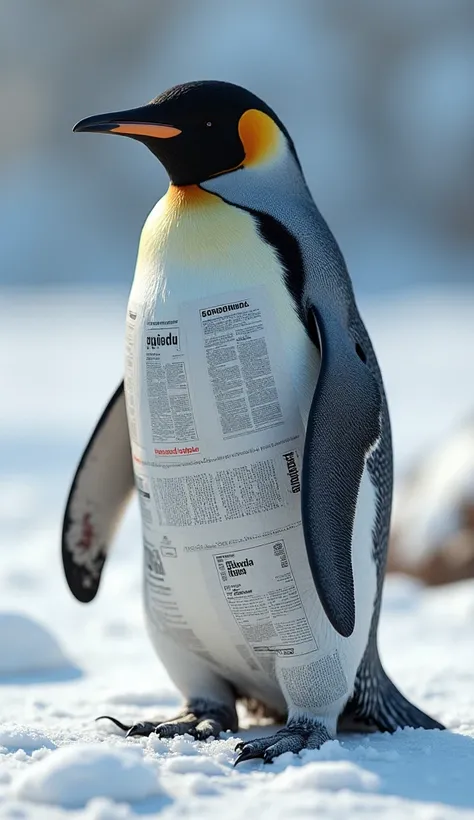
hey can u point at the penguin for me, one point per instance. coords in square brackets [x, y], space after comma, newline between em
[253, 423]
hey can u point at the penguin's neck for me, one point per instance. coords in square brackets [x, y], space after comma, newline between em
[194, 244]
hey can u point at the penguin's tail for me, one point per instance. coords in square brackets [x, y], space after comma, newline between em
[377, 704]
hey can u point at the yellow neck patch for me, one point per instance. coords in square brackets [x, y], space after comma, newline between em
[260, 137]
[188, 196]
[193, 228]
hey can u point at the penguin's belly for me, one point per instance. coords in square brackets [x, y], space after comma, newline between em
[219, 378]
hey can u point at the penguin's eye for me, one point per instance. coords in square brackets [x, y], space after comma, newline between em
[208, 124]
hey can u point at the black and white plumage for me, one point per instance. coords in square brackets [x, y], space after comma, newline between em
[239, 215]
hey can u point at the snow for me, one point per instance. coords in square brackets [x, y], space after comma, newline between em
[327, 776]
[27, 647]
[78, 773]
[15, 737]
[62, 663]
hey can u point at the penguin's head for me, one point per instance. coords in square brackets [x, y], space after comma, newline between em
[201, 130]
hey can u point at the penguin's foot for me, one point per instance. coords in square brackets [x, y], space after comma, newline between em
[297, 735]
[200, 719]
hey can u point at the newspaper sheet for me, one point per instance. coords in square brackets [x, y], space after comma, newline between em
[217, 442]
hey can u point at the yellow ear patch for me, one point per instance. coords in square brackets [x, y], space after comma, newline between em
[260, 137]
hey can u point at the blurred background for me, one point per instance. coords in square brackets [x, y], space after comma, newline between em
[379, 98]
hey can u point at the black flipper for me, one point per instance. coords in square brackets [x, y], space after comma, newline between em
[378, 705]
[343, 426]
[102, 485]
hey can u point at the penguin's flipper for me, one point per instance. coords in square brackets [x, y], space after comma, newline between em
[343, 427]
[102, 485]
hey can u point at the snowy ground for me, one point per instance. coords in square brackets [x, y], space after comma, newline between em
[61, 664]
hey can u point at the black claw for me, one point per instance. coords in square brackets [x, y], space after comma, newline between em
[247, 754]
[268, 757]
[141, 730]
[118, 723]
[239, 746]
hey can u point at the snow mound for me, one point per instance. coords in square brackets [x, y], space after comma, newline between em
[73, 775]
[14, 737]
[327, 776]
[27, 647]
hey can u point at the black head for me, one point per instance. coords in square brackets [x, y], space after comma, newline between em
[198, 130]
